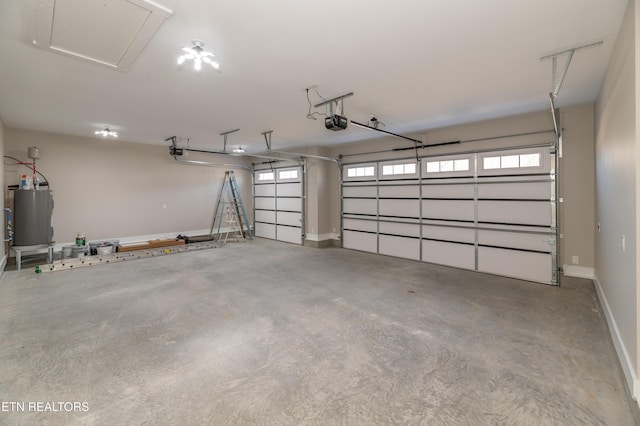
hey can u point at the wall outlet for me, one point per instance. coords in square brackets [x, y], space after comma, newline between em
[624, 244]
[575, 260]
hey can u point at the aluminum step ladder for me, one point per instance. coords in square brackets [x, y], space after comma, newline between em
[230, 215]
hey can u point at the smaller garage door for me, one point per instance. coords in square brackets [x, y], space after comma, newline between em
[278, 204]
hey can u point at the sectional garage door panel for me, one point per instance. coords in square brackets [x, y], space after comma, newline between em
[449, 233]
[265, 216]
[289, 189]
[289, 218]
[460, 210]
[279, 213]
[448, 191]
[263, 203]
[532, 241]
[289, 204]
[265, 190]
[400, 229]
[265, 230]
[360, 225]
[399, 208]
[490, 212]
[515, 190]
[288, 234]
[407, 248]
[362, 241]
[518, 264]
[360, 192]
[449, 254]
[360, 206]
[399, 191]
[515, 212]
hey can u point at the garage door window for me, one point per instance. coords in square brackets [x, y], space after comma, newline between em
[265, 176]
[287, 174]
[447, 166]
[361, 171]
[511, 161]
[399, 169]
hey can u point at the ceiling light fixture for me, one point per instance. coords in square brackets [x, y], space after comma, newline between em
[374, 122]
[239, 149]
[198, 55]
[107, 132]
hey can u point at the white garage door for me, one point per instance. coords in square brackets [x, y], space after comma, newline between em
[278, 211]
[491, 212]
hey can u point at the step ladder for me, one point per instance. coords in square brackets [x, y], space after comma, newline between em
[230, 217]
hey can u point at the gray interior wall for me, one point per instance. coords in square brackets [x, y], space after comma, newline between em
[110, 189]
[636, 7]
[312, 198]
[314, 184]
[616, 193]
[319, 189]
[578, 186]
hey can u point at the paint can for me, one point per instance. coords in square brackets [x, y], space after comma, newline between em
[77, 251]
[67, 251]
[104, 248]
[81, 239]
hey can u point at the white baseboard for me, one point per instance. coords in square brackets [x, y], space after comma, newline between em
[322, 237]
[630, 374]
[578, 271]
[125, 240]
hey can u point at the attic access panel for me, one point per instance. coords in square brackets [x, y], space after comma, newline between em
[110, 33]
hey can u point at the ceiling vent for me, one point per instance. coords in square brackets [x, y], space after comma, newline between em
[110, 33]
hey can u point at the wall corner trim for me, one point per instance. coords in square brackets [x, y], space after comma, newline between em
[322, 237]
[579, 271]
[633, 383]
[3, 264]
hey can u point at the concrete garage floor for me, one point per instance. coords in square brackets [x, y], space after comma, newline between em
[275, 334]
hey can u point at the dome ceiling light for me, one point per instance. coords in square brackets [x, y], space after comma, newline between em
[198, 55]
[107, 132]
